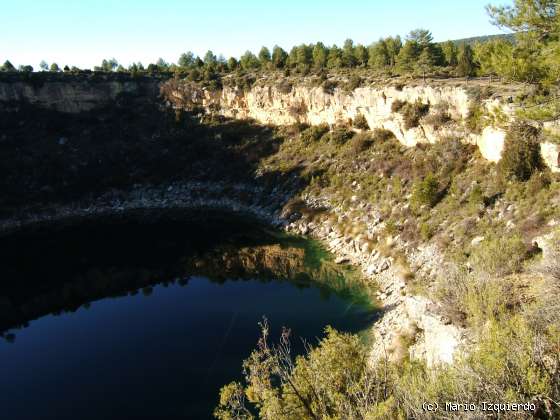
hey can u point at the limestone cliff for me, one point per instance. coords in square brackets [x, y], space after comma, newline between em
[275, 104]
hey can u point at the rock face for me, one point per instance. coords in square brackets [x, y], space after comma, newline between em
[551, 155]
[491, 143]
[74, 94]
[312, 105]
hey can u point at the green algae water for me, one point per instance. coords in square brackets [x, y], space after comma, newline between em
[122, 318]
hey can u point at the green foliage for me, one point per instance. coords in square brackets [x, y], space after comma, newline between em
[465, 61]
[7, 66]
[340, 135]
[249, 61]
[521, 156]
[334, 59]
[360, 122]
[314, 133]
[279, 57]
[264, 57]
[475, 121]
[499, 255]
[425, 63]
[329, 86]
[319, 55]
[332, 380]
[426, 231]
[361, 142]
[412, 113]
[425, 192]
[450, 53]
[407, 57]
[382, 135]
[353, 83]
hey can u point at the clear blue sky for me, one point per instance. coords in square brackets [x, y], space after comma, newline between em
[83, 32]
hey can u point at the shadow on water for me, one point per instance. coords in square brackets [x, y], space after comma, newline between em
[60, 268]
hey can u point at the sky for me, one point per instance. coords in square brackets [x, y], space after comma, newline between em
[84, 32]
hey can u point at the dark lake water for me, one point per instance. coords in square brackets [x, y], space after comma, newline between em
[136, 320]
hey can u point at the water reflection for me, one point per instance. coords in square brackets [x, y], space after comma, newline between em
[60, 269]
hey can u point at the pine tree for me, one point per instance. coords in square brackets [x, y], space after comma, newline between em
[264, 57]
[186, 60]
[361, 55]
[378, 55]
[465, 61]
[450, 53]
[425, 63]
[407, 57]
[7, 66]
[319, 55]
[334, 59]
[279, 57]
[348, 58]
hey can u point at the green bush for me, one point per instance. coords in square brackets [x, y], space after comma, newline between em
[340, 135]
[521, 156]
[426, 231]
[438, 119]
[314, 133]
[360, 122]
[284, 86]
[381, 135]
[324, 383]
[499, 255]
[352, 84]
[412, 113]
[425, 192]
[475, 120]
[361, 142]
[329, 86]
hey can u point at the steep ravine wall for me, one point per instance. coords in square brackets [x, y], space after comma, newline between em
[74, 93]
[312, 105]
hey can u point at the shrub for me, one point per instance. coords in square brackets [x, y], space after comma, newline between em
[438, 119]
[499, 255]
[521, 156]
[284, 86]
[298, 109]
[381, 134]
[476, 196]
[538, 181]
[314, 133]
[426, 231]
[352, 84]
[412, 113]
[340, 135]
[329, 86]
[361, 142]
[475, 119]
[397, 105]
[323, 383]
[360, 122]
[425, 192]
